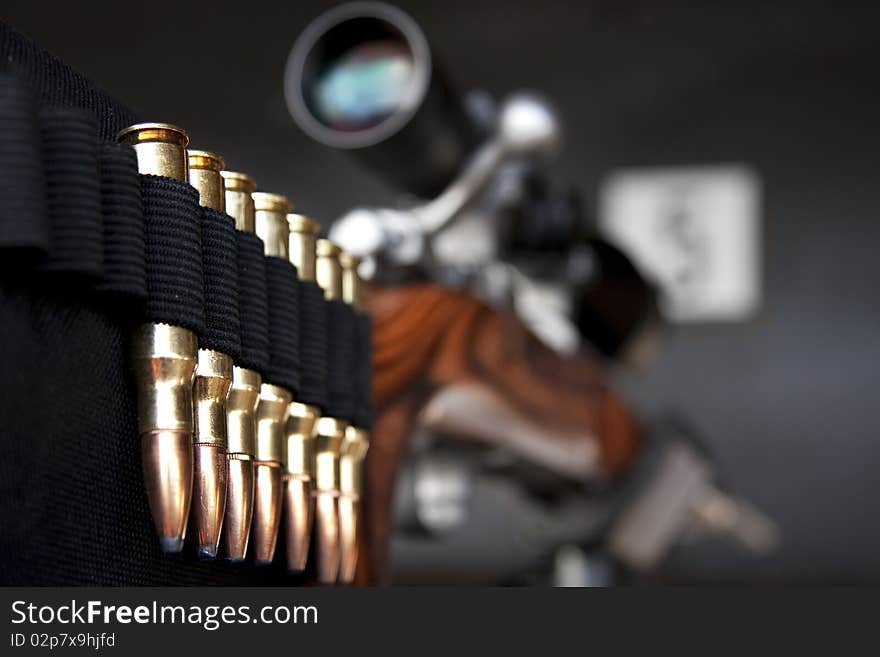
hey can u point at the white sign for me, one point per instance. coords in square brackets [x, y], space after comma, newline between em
[695, 231]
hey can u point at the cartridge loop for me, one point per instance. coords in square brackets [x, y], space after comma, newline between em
[125, 268]
[173, 244]
[222, 320]
[313, 345]
[253, 302]
[73, 192]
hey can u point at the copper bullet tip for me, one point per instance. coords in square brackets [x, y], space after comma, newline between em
[267, 510]
[239, 506]
[168, 475]
[327, 536]
[348, 529]
[298, 521]
[209, 497]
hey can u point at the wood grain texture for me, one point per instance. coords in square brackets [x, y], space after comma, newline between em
[425, 338]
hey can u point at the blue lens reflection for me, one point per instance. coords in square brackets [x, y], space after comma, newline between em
[364, 86]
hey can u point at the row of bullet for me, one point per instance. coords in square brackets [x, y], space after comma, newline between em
[223, 450]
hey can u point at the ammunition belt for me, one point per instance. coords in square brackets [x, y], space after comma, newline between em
[100, 248]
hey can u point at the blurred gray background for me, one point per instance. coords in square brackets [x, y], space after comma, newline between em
[787, 401]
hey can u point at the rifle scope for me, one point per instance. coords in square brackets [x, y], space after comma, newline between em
[361, 78]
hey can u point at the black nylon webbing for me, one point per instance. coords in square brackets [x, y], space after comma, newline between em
[222, 327]
[313, 345]
[24, 215]
[73, 185]
[125, 270]
[54, 83]
[363, 413]
[75, 511]
[253, 303]
[173, 240]
[340, 360]
[283, 368]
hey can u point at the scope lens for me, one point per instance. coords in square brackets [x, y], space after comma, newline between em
[364, 86]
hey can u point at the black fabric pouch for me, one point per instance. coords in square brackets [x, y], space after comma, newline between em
[75, 276]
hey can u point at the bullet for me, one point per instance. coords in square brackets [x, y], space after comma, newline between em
[354, 447]
[211, 388]
[302, 243]
[237, 188]
[164, 363]
[297, 482]
[241, 404]
[352, 285]
[270, 220]
[330, 433]
[301, 425]
[328, 271]
[272, 411]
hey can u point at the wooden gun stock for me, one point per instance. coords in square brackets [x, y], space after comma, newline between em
[428, 341]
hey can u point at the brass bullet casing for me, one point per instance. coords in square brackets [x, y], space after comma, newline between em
[270, 218]
[241, 404]
[328, 271]
[351, 460]
[352, 285]
[238, 188]
[213, 379]
[270, 223]
[164, 362]
[272, 411]
[302, 242]
[299, 461]
[160, 148]
[330, 434]
[204, 175]
[241, 447]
